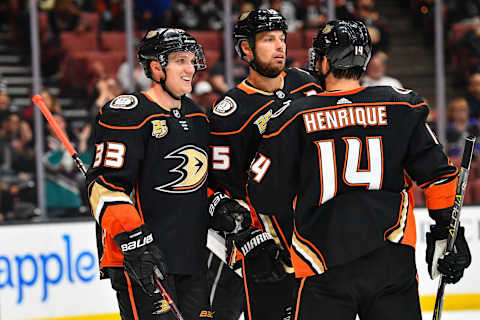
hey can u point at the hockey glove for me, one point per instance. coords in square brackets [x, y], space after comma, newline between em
[227, 214]
[450, 264]
[265, 260]
[141, 257]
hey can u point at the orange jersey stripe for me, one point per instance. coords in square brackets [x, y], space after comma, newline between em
[111, 185]
[410, 232]
[133, 127]
[441, 196]
[424, 185]
[306, 85]
[247, 298]
[337, 107]
[246, 122]
[130, 294]
[299, 295]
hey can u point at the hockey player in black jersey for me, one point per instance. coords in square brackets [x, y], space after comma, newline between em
[349, 151]
[147, 184]
[237, 122]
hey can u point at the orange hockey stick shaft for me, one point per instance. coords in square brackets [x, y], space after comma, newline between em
[38, 100]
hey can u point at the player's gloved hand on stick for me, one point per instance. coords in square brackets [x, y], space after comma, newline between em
[264, 258]
[228, 215]
[450, 264]
[141, 257]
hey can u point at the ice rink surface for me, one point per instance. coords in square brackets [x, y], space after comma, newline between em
[455, 315]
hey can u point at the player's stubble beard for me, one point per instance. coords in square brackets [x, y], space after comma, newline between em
[270, 69]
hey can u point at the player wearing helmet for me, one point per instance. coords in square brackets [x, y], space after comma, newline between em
[147, 187]
[349, 152]
[237, 122]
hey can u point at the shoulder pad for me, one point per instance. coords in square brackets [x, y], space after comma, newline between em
[300, 75]
[127, 110]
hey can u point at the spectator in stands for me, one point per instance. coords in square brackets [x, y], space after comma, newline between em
[6, 202]
[203, 95]
[4, 105]
[106, 90]
[62, 184]
[460, 125]
[313, 13]
[65, 17]
[186, 14]
[464, 11]
[151, 14]
[376, 73]
[473, 94]
[112, 14]
[51, 102]
[287, 9]
[142, 83]
[365, 9]
[16, 143]
[211, 14]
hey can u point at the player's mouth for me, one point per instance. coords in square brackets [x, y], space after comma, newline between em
[187, 79]
[279, 57]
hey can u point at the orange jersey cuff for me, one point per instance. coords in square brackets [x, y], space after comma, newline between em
[441, 196]
[120, 218]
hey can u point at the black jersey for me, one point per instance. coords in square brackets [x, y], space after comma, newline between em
[237, 122]
[155, 160]
[340, 159]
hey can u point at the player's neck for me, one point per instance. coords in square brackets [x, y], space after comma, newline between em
[162, 98]
[334, 84]
[264, 83]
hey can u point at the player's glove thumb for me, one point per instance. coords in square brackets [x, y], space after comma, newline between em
[452, 264]
[142, 259]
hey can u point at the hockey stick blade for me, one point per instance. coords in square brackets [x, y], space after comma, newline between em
[455, 220]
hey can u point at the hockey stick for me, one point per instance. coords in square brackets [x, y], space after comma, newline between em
[455, 220]
[38, 100]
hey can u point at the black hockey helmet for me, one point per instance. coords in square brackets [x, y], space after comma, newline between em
[256, 21]
[345, 43]
[157, 44]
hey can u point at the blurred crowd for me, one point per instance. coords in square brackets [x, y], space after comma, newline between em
[83, 54]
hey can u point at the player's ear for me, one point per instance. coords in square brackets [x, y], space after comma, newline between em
[157, 68]
[245, 46]
[324, 65]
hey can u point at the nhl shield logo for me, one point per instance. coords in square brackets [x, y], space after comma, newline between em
[159, 128]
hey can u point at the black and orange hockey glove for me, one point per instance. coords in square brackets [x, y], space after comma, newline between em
[141, 257]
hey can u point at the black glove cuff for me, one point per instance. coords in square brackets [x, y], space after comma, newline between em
[442, 217]
[214, 200]
[250, 240]
[134, 241]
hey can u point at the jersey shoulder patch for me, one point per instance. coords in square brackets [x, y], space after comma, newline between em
[225, 107]
[125, 101]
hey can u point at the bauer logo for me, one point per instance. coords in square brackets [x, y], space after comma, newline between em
[35, 268]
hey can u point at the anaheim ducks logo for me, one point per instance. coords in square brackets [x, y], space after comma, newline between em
[192, 170]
